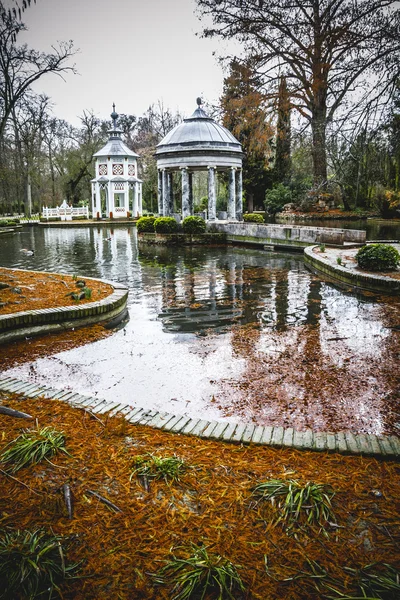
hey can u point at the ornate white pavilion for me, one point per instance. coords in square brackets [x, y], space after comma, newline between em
[116, 189]
[199, 144]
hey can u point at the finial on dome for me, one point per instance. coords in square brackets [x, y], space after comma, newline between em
[199, 101]
[114, 116]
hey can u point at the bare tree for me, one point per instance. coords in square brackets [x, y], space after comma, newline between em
[331, 53]
[21, 66]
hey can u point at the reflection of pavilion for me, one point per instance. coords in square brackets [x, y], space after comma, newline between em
[200, 291]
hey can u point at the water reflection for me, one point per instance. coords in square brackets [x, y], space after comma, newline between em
[224, 333]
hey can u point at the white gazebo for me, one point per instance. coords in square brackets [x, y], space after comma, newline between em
[199, 144]
[116, 189]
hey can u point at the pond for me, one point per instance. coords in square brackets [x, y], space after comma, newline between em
[223, 333]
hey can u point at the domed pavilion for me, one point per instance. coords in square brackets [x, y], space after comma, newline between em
[199, 144]
[116, 189]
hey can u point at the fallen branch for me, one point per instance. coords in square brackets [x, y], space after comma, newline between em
[4, 410]
[107, 502]
[68, 499]
[145, 482]
[92, 415]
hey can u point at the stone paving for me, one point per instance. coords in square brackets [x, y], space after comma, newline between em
[347, 272]
[343, 442]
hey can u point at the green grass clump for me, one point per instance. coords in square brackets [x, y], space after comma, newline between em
[169, 468]
[31, 447]
[378, 257]
[297, 504]
[32, 564]
[378, 581]
[201, 575]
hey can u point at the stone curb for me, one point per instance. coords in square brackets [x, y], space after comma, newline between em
[365, 281]
[343, 442]
[29, 323]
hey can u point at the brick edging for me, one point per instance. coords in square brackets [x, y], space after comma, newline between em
[365, 281]
[343, 442]
[29, 323]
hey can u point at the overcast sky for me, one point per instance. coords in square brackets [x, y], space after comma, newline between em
[131, 52]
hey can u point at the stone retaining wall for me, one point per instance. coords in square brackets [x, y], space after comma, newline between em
[183, 239]
[364, 281]
[343, 442]
[30, 323]
[289, 236]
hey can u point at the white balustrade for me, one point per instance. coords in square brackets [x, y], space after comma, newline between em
[65, 212]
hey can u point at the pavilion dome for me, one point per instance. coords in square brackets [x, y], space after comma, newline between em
[115, 147]
[199, 132]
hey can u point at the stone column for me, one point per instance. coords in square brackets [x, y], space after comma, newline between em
[232, 195]
[110, 198]
[239, 195]
[170, 194]
[97, 207]
[160, 192]
[135, 200]
[185, 194]
[93, 201]
[164, 193]
[212, 201]
[190, 193]
[140, 199]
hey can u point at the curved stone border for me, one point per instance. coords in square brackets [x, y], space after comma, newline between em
[16, 326]
[365, 281]
[343, 442]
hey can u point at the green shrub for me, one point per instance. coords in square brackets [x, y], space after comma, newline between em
[145, 224]
[253, 218]
[378, 257]
[6, 222]
[276, 198]
[165, 225]
[193, 225]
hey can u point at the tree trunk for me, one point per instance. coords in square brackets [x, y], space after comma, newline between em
[28, 203]
[318, 126]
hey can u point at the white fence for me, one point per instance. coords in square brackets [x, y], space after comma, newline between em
[65, 213]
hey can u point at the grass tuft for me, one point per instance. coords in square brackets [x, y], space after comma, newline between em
[298, 505]
[32, 564]
[201, 575]
[379, 581]
[150, 466]
[31, 447]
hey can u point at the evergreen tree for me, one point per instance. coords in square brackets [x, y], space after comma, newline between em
[283, 142]
[244, 113]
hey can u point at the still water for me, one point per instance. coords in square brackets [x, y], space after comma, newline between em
[223, 333]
